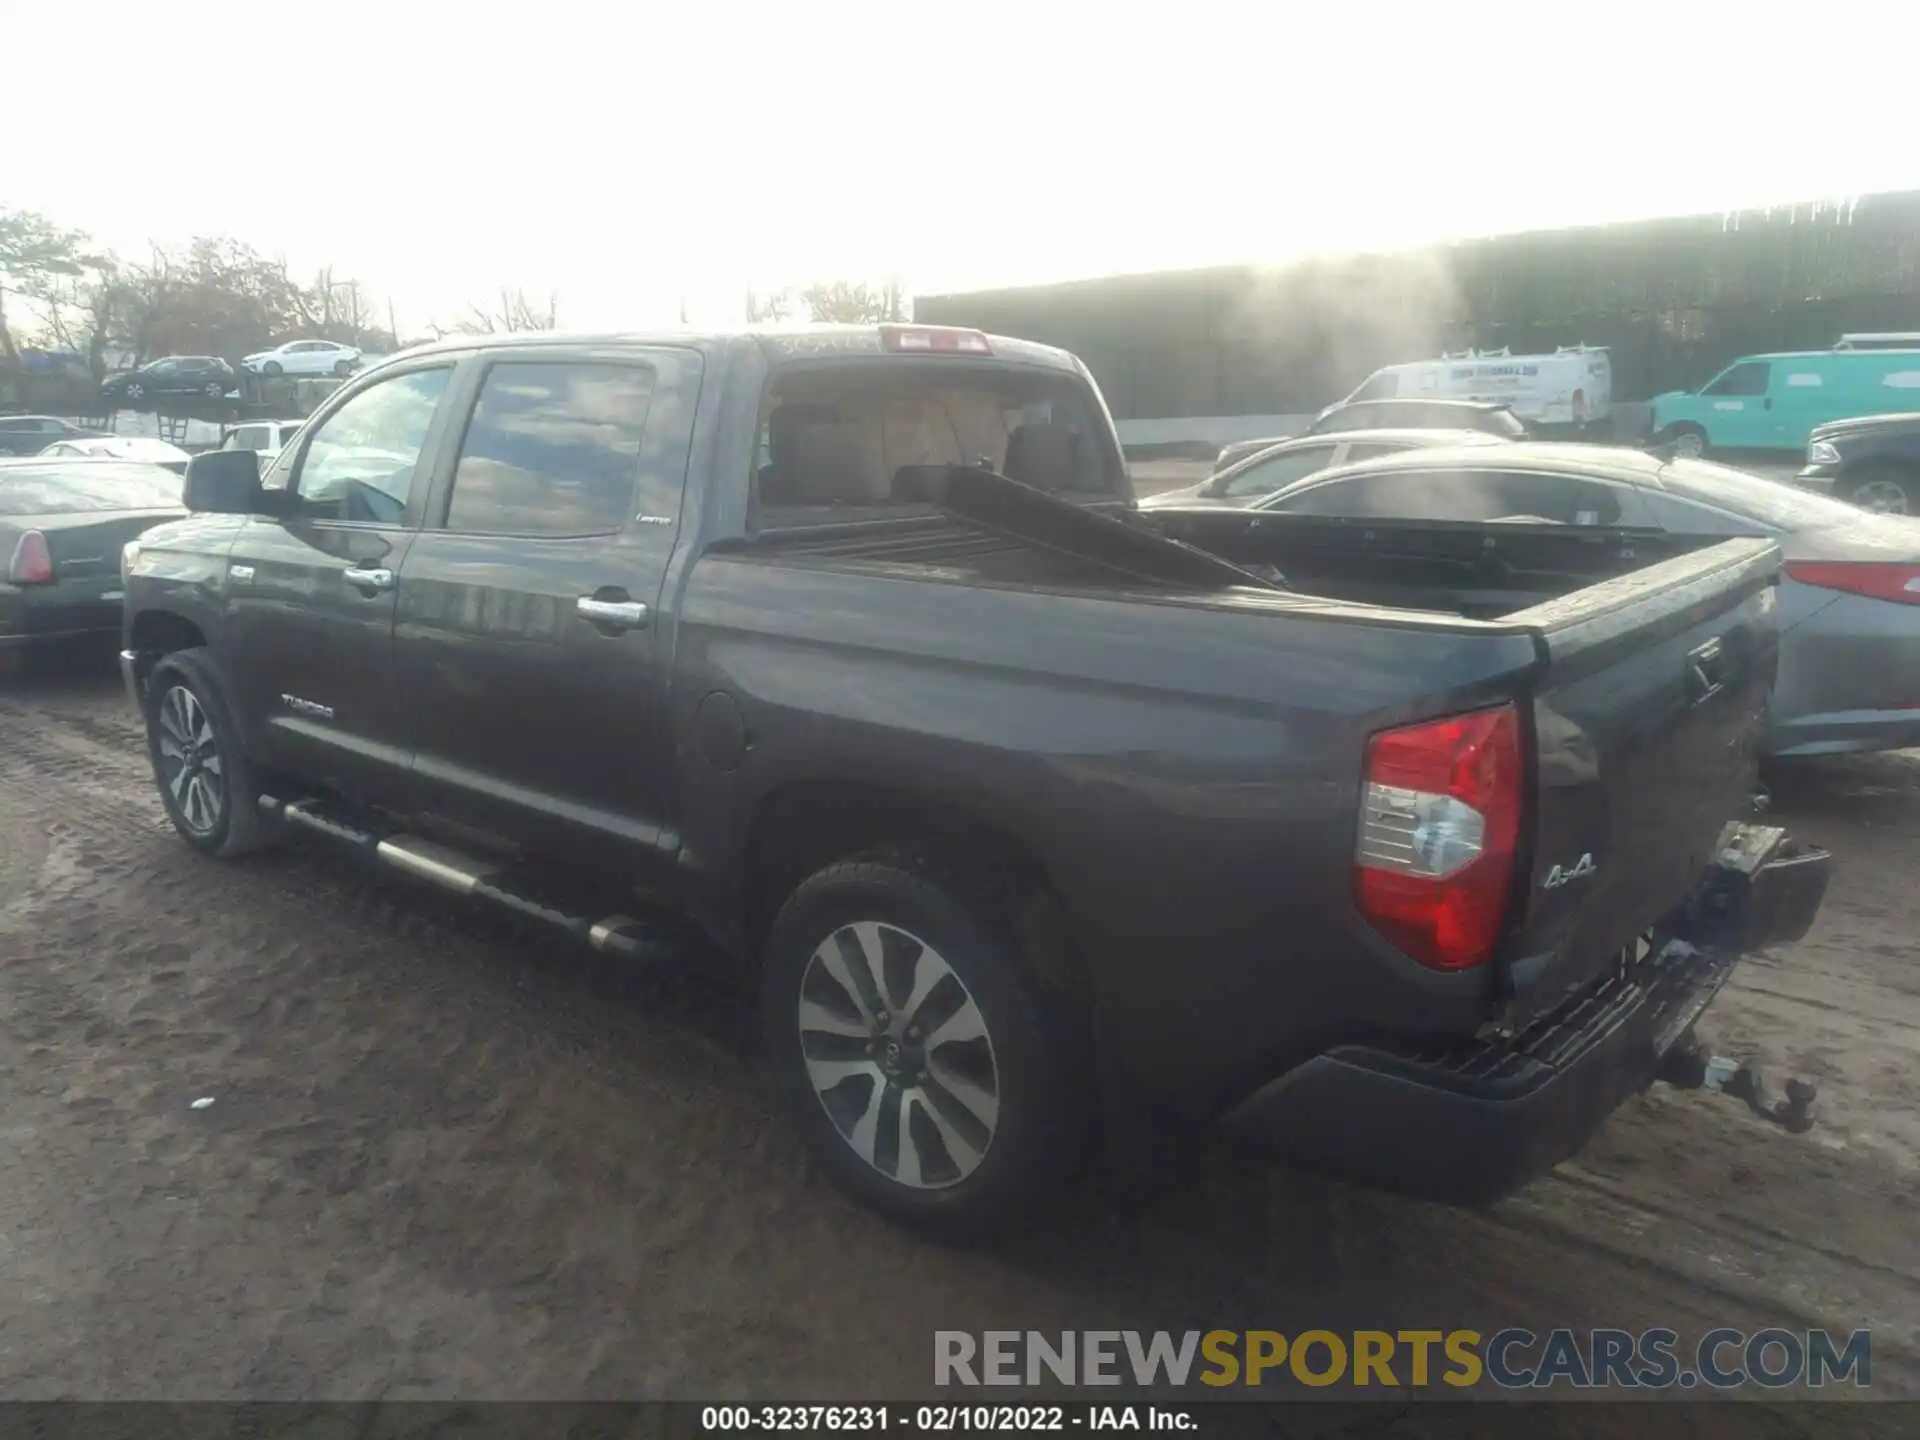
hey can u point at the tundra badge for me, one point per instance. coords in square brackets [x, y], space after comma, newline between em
[307, 707]
[1565, 875]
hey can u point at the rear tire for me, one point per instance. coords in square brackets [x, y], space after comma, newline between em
[205, 780]
[1884, 490]
[869, 964]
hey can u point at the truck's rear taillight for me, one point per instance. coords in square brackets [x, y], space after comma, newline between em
[1439, 825]
[31, 564]
[1875, 579]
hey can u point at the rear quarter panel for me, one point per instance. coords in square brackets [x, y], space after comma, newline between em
[1187, 776]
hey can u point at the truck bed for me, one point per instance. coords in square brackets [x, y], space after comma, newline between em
[1640, 667]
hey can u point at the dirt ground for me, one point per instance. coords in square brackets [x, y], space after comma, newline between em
[446, 1159]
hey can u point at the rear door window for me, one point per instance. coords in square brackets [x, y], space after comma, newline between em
[1278, 471]
[553, 448]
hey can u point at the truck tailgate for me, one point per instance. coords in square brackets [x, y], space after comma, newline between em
[1647, 719]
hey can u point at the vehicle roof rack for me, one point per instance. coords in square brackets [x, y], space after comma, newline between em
[1880, 340]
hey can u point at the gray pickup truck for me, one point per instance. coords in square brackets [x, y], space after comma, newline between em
[843, 657]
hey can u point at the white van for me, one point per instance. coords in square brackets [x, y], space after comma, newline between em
[1571, 388]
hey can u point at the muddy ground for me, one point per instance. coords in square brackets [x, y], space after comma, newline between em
[445, 1158]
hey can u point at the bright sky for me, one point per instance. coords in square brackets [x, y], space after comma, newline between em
[628, 155]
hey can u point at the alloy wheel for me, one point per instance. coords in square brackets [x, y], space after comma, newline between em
[1689, 446]
[898, 1053]
[190, 764]
[1883, 497]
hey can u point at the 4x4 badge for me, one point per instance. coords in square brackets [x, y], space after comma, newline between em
[1561, 875]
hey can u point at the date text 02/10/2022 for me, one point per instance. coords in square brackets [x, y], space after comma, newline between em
[945, 1419]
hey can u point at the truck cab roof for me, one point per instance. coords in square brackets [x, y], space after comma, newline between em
[782, 343]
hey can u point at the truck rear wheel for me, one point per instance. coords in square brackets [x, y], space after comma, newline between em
[203, 775]
[906, 1037]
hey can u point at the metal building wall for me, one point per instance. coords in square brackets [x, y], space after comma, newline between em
[1674, 300]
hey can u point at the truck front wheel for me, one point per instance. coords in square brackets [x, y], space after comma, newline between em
[1883, 489]
[1687, 442]
[205, 781]
[909, 1042]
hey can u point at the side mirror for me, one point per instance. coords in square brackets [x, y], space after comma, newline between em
[224, 482]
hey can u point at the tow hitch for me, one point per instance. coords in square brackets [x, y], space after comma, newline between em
[1688, 1067]
[1763, 890]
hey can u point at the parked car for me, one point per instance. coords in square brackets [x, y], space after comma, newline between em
[1278, 466]
[1872, 462]
[1569, 391]
[62, 526]
[304, 357]
[123, 447]
[1771, 404]
[267, 438]
[30, 434]
[1348, 415]
[204, 375]
[1849, 599]
[846, 652]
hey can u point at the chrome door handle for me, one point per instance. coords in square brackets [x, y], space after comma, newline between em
[614, 614]
[380, 579]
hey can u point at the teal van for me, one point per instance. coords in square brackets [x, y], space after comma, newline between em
[1772, 402]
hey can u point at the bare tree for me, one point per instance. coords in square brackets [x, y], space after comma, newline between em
[515, 313]
[851, 302]
[149, 295]
[769, 308]
[34, 252]
[79, 313]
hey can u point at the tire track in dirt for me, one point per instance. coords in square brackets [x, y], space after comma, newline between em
[447, 1157]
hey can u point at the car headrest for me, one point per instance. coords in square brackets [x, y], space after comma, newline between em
[789, 420]
[1042, 455]
[829, 464]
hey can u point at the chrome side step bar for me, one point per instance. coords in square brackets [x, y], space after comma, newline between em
[463, 874]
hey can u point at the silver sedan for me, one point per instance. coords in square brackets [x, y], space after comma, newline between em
[1849, 677]
[1285, 462]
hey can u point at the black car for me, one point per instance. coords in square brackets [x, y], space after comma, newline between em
[1019, 816]
[30, 434]
[1480, 415]
[63, 524]
[207, 376]
[1873, 462]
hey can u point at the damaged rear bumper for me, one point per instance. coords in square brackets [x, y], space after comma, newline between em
[1473, 1121]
